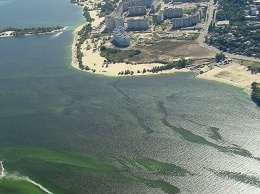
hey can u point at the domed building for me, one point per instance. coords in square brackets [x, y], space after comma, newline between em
[120, 37]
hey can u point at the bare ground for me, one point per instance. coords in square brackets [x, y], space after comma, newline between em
[166, 50]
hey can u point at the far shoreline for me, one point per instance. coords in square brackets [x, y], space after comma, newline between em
[234, 74]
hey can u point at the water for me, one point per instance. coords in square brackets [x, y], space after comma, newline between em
[73, 132]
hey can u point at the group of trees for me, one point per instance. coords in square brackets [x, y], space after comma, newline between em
[254, 69]
[255, 93]
[232, 10]
[86, 14]
[220, 57]
[183, 63]
[107, 7]
[241, 36]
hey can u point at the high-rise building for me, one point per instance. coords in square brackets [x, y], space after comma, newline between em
[137, 24]
[137, 10]
[172, 13]
[112, 21]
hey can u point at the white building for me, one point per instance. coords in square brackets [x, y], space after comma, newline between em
[120, 38]
[222, 23]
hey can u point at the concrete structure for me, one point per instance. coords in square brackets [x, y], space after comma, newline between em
[115, 18]
[137, 10]
[131, 3]
[112, 21]
[137, 24]
[253, 11]
[172, 13]
[154, 6]
[222, 23]
[185, 21]
[120, 38]
[160, 16]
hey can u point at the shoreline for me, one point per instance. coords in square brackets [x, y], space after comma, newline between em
[234, 74]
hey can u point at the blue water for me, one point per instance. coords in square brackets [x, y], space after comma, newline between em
[46, 104]
[42, 13]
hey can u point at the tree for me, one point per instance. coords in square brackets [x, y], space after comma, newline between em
[220, 57]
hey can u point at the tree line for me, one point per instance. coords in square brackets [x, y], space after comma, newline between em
[255, 92]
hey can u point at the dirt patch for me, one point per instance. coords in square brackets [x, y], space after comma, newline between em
[165, 50]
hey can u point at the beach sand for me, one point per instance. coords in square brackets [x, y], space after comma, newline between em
[234, 74]
[6, 34]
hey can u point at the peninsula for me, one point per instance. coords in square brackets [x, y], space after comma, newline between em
[17, 32]
[151, 37]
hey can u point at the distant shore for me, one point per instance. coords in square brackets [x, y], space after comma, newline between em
[28, 31]
[234, 74]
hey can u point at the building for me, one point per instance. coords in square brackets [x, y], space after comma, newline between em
[120, 37]
[160, 16]
[185, 21]
[222, 23]
[112, 21]
[154, 6]
[253, 11]
[132, 3]
[172, 13]
[137, 24]
[137, 10]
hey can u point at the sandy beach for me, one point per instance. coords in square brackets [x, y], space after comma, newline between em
[234, 74]
[6, 34]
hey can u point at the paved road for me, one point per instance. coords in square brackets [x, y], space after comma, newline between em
[204, 32]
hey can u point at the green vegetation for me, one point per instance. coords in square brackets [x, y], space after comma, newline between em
[254, 69]
[238, 176]
[161, 167]
[42, 166]
[242, 35]
[255, 93]
[31, 31]
[83, 34]
[18, 186]
[232, 10]
[107, 7]
[116, 56]
[220, 57]
[175, 64]
[86, 14]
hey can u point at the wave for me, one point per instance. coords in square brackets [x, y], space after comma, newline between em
[16, 176]
[2, 170]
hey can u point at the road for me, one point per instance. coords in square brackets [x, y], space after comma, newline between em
[204, 33]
